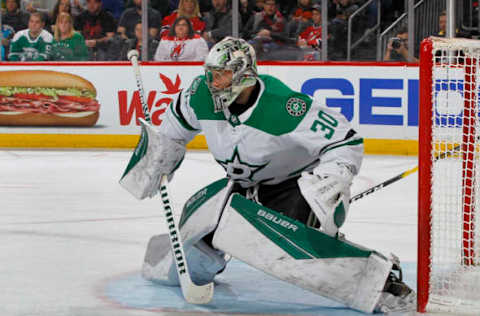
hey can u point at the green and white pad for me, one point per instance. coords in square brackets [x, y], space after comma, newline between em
[306, 257]
[200, 216]
[155, 155]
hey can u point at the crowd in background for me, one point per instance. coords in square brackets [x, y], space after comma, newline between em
[183, 30]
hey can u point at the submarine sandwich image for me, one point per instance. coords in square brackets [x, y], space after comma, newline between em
[46, 98]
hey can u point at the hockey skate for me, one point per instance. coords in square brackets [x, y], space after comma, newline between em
[396, 295]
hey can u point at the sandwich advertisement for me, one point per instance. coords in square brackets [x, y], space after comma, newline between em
[84, 99]
[46, 98]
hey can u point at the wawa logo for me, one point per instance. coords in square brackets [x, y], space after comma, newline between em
[157, 102]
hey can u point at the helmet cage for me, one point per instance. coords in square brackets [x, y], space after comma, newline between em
[239, 57]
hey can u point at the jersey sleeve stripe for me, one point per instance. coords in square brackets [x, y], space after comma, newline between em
[177, 113]
[353, 142]
[298, 171]
[347, 141]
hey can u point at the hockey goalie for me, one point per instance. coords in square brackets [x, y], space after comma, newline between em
[289, 164]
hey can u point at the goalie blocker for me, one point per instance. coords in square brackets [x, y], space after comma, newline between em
[154, 156]
[278, 245]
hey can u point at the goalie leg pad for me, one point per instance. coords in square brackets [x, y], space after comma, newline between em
[200, 216]
[155, 155]
[204, 262]
[305, 257]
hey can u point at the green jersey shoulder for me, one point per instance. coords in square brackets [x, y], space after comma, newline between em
[201, 100]
[25, 48]
[279, 109]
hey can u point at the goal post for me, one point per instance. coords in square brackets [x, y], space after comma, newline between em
[448, 273]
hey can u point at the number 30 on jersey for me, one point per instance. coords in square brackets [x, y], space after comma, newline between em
[327, 124]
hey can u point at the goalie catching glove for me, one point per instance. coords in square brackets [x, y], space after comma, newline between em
[327, 191]
[155, 155]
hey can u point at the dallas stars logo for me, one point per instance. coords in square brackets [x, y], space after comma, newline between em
[296, 107]
[239, 170]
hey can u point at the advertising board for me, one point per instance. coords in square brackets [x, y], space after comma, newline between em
[380, 100]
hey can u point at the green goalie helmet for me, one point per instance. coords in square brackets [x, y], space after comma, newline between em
[233, 54]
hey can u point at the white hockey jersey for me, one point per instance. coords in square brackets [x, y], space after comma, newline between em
[174, 49]
[282, 134]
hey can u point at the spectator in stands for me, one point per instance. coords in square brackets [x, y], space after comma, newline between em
[182, 43]
[115, 7]
[218, 22]
[445, 56]
[300, 18]
[266, 32]
[68, 45]
[97, 27]
[442, 25]
[267, 25]
[136, 43]
[286, 6]
[33, 43]
[7, 33]
[297, 12]
[258, 5]
[173, 5]
[31, 6]
[189, 9]
[337, 41]
[347, 6]
[247, 9]
[310, 40]
[397, 48]
[60, 6]
[78, 6]
[14, 17]
[131, 16]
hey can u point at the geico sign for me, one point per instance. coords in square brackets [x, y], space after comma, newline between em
[368, 99]
[368, 95]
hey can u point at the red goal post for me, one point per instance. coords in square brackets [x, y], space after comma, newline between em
[448, 275]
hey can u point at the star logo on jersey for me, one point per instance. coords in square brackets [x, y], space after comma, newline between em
[296, 107]
[239, 170]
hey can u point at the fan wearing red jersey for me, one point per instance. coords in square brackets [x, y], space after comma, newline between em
[181, 44]
[310, 40]
[186, 8]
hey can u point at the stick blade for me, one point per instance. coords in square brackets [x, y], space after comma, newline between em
[198, 294]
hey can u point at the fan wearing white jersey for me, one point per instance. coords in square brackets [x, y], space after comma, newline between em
[287, 159]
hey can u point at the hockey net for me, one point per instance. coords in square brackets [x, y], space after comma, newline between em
[449, 177]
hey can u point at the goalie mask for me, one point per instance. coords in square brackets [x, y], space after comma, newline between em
[233, 54]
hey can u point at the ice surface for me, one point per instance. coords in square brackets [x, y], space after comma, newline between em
[73, 241]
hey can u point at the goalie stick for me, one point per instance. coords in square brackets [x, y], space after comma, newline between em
[195, 294]
[400, 176]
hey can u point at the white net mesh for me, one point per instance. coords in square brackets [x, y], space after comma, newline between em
[455, 228]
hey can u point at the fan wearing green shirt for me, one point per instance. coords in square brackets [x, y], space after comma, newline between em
[68, 45]
[33, 43]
